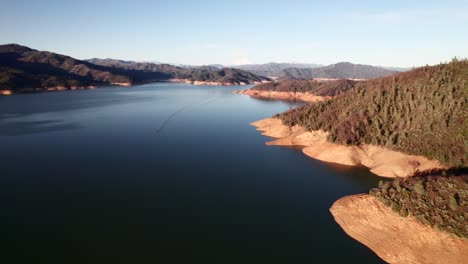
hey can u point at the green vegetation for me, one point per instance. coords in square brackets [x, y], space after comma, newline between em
[335, 71]
[328, 88]
[421, 112]
[440, 201]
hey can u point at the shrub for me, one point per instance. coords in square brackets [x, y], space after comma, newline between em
[440, 201]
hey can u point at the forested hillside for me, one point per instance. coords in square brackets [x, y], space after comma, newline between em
[25, 69]
[203, 73]
[328, 88]
[336, 71]
[422, 112]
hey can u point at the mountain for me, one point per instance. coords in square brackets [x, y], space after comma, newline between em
[22, 68]
[335, 71]
[273, 69]
[26, 69]
[219, 66]
[208, 73]
[298, 71]
[110, 62]
[137, 66]
[420, 112]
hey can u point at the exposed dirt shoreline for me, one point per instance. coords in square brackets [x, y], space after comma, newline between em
[124, 84]
[381, 161]
[213, 83]
[6, 92]
[394, 238]
[306, 97]
[59, 88]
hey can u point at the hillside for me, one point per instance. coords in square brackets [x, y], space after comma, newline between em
[25, 69]
[328, 88]
[202, 73]
[273, 69]
[137, 66]
[335, 71]
[420, 112]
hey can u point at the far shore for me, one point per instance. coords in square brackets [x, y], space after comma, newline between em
[121, 84]
[61, 88]
[380, 161]
[306, 97]
[188, 81]
[6, 92]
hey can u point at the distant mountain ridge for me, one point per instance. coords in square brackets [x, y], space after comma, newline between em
[273, 69]
[282, 71]
[210, 73]
[26, 69]
[342, 70]
[303, 71]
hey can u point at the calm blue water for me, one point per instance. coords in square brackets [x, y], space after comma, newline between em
[164, 173]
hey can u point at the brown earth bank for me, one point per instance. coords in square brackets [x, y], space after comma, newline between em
[381, 161]
[393, 238]
[54, 88]
[63, 88]
[6, 92]
[306, 97]
[213, 83]
[126, 84]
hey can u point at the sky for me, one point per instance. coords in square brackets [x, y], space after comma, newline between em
[377, 32]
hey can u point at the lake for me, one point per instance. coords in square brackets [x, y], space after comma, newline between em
[164, 173]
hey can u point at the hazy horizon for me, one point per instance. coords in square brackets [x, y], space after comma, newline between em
[396, 34]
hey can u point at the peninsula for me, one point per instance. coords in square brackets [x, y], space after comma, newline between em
[409, 126]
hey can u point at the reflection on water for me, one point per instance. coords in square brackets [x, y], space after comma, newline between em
[30, 104]
[164, 173]
[18, 128]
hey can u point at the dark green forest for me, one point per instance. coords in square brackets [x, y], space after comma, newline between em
[328, 88]
[421, 112]
[438, 199]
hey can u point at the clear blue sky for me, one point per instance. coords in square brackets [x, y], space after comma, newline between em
[378, 32]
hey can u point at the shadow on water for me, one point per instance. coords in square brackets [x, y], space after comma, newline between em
[206, 189]
[184, 108]
[28, 104]
[18, 128]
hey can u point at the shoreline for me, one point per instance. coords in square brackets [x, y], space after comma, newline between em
[379, 160]
[188, 81]
[394, 238]
[306, 97]
[5, 92]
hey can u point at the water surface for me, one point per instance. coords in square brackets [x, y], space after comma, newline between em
[164, 173]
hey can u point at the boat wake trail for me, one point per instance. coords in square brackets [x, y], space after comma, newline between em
[182, 109]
